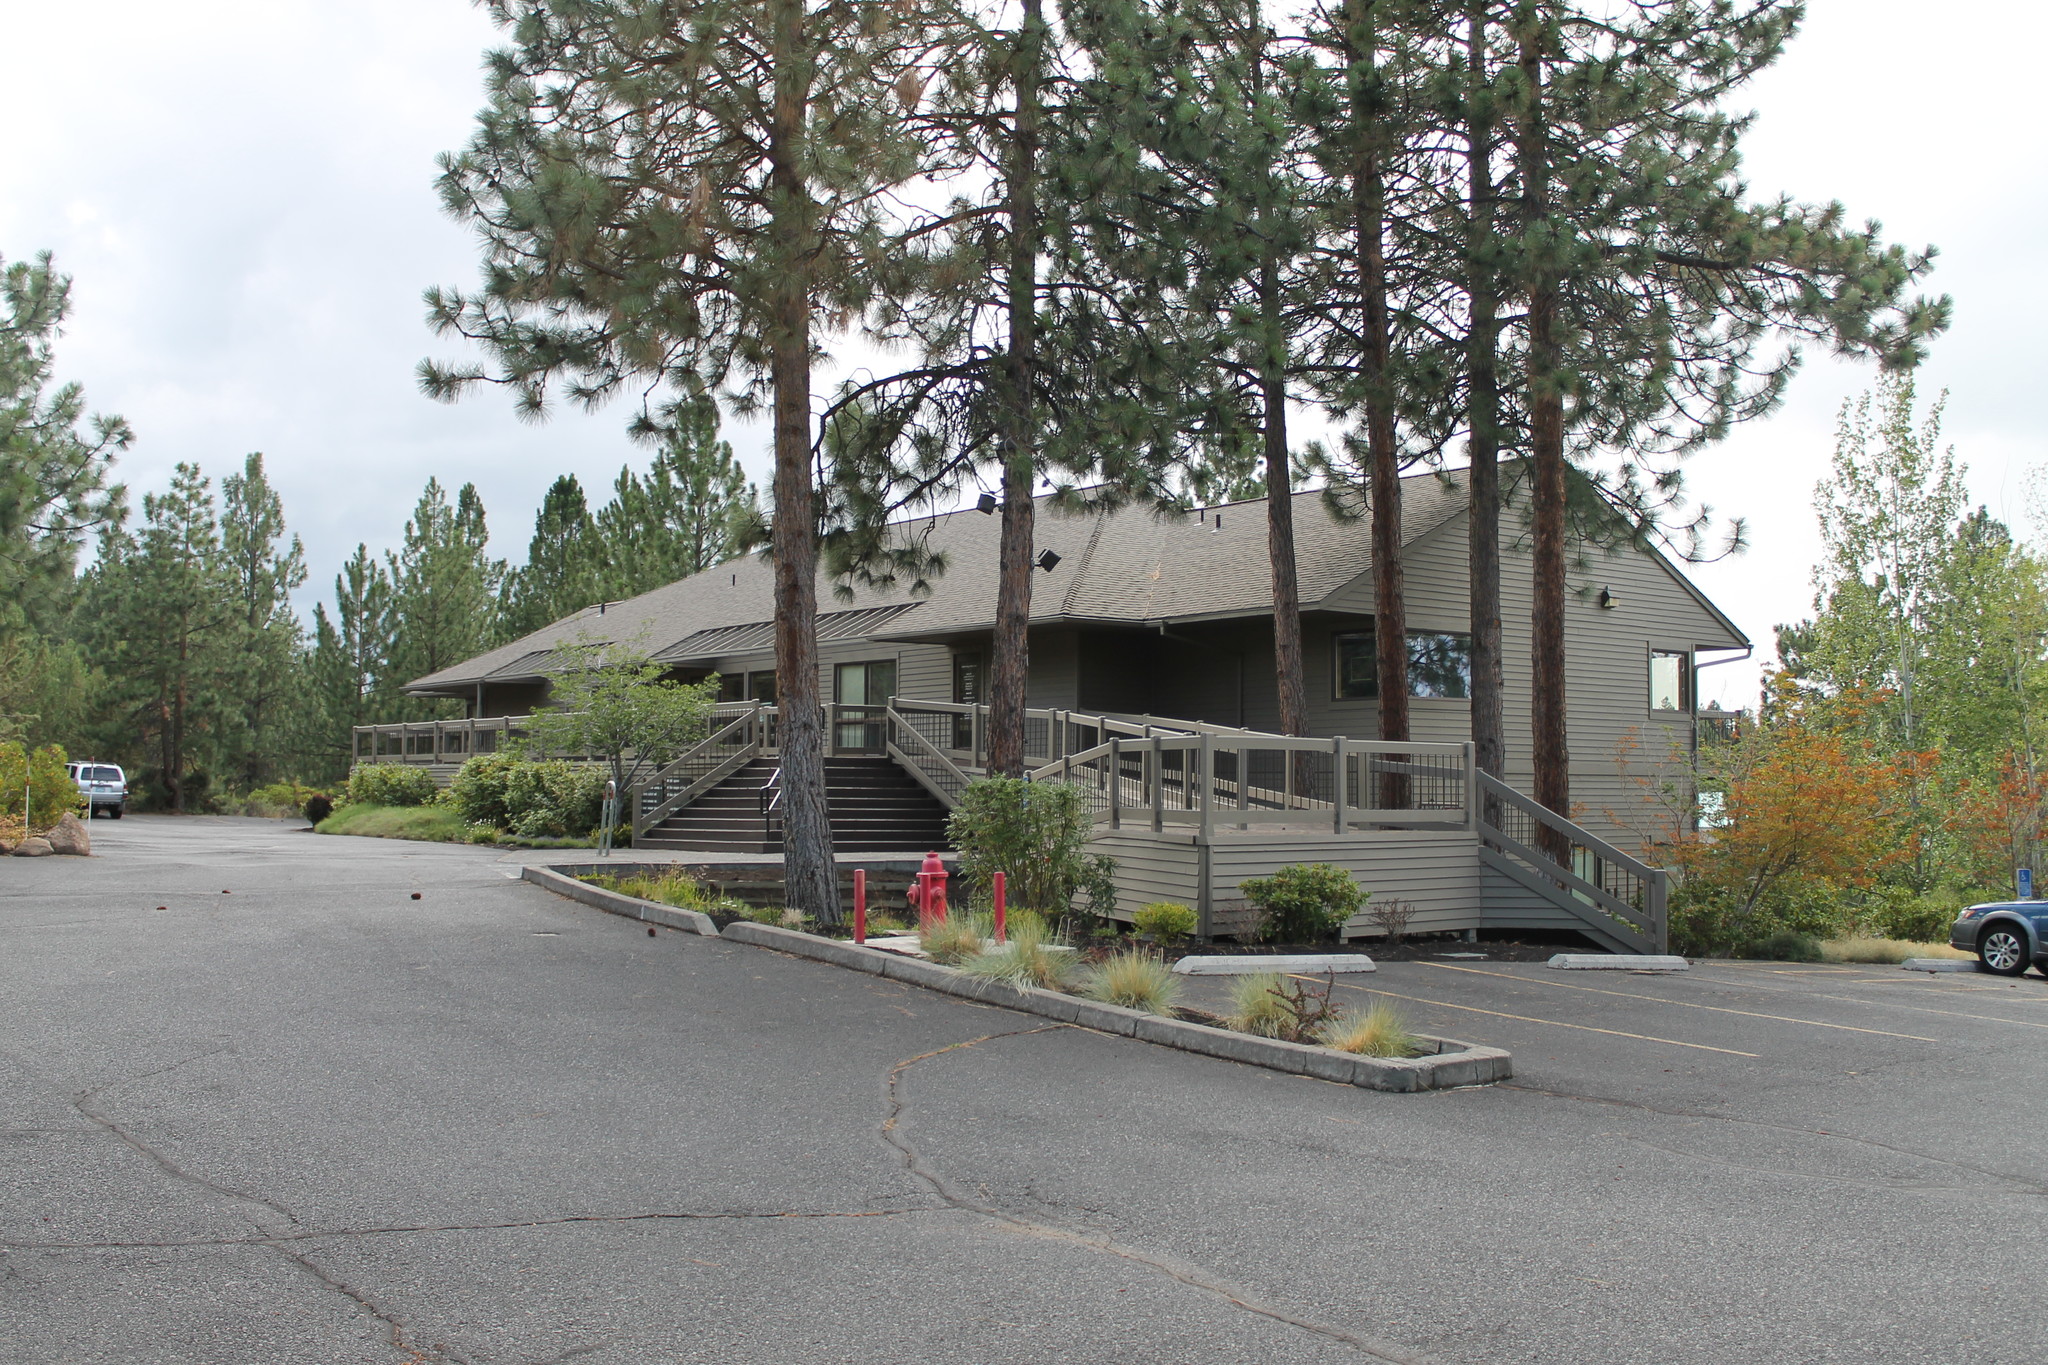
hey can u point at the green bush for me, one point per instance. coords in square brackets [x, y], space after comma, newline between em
[1709, 923]
[1787, 945]
[553, 798]
[1166, 921]
[1897, 912]
[390, 784]
[478, 790]
[50, 790]
[1036, 834]
[1304, 903]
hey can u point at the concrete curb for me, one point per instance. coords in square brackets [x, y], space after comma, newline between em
[1461, 1064]
[1939, 964]
[1617, 962]
[632, 907]
[1251, 964]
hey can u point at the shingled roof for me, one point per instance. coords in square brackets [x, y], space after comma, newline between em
[1130, 567]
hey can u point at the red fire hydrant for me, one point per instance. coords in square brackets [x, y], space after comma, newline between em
[928, 892]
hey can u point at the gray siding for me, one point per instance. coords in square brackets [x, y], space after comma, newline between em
[1435, 871]
[1151, 868]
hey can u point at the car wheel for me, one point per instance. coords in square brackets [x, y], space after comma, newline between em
[2003, 949]
[114, 814]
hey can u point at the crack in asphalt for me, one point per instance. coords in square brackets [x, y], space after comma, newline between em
[1183, 1272]
[280, 1240]
[394, 1326]
[2009, 1179]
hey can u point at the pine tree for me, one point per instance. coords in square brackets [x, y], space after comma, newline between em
[693, 509]
[264, 570]
[563, 571]
[444, 587]
[690, 194]
[164, 620]
[351, 678]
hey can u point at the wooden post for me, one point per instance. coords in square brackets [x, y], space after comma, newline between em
[1208, 762]
[1471, 785]
[1339, 782]
[1116, 783]
[1158, 784]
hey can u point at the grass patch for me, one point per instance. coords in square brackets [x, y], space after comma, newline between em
[1026, 960]
[436, 824]
[679, 889]
[1884, 950]
[1134, 979]
[953, 939]
[1380, 1032]
[1257, 1006]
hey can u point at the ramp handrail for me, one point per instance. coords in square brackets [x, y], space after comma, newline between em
[924, 760]
[718, 756]
[1580, 870]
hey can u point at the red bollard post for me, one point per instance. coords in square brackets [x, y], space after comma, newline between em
[1001, 937]
[860, 905]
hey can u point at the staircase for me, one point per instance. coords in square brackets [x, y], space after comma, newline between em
[875, 806]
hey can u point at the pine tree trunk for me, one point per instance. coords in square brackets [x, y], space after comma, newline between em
[1548, 751]
[1010, 666]
[1290, 672]
[810, 880]
[1489, 711]
[1390, 624]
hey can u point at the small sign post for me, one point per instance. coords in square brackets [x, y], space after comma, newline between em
[2025, 877]
[609, 818]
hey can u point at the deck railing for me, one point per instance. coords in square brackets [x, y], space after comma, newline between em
[723, 752]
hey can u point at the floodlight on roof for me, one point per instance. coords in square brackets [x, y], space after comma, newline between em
[1047, 560]
[986, 504]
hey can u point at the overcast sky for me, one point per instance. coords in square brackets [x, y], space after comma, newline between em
[243, 190]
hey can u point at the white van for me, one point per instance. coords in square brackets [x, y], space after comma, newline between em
[104, 785]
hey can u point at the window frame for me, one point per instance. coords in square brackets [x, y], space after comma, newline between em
[1688, 700]
[1338, 637]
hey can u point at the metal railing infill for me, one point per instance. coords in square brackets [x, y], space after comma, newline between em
[1574, 868]
[718, 756]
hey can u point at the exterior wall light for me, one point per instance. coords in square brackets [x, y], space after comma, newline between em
[1047, 560]
[986, 504]
[1608, 601]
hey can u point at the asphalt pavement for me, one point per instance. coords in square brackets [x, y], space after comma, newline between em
[259, 1105]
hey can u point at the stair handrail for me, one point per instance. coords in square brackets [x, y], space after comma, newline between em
[771, 805]
[1649, 918]
[645, 817]
[925, 761]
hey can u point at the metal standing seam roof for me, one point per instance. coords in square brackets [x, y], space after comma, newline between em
[1134, 566]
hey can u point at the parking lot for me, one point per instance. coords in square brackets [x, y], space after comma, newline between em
[257, 1103]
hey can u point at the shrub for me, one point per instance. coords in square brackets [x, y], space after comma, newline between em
[1135, 980]
[1787, 945]
[51, 792]
[1304, 903]
[390, 784]
[1379, 1032]
[680, 889]
[1036, 835]
[1167, 921]
[318, 808]
[553, 798]
[478, 790]
[1391, 918]
[1897, 912]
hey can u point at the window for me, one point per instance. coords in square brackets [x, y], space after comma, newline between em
[732, 687]
[738, 686]
[1439, 664]
[967, 676]
[864, 684]
[1670, 681]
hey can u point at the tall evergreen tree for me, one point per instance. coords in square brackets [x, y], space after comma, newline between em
[264, 570]
[350, 667]
[690, 193]
[563, 572]
[165, 619]
[693, 509]
[444, 587]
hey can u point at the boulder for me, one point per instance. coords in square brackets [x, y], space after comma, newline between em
[35, 846]
[70, 836]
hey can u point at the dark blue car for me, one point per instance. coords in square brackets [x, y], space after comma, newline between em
[2005, 935]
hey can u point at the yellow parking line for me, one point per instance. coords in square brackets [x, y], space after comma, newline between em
[1530, 1019]
[1687, 1004]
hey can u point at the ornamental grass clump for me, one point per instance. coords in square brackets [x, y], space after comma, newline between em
[954, 939]
[1026, 960]
[1380, 1032]
[1258, 1004]
[1134, 979]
